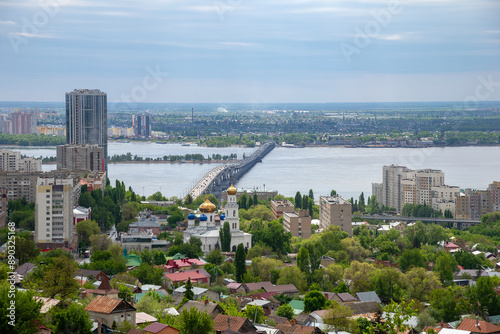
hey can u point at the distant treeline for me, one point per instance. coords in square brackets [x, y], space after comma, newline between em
[225, 141]
[188, 157]
[31, 140]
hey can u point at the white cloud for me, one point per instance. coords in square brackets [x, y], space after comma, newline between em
[393, 37]
[7, 23]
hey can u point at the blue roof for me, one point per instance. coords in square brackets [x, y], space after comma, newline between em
[191, 216]
[222, 216]
[203, 218]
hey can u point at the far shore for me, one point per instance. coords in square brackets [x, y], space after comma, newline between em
[165, 162]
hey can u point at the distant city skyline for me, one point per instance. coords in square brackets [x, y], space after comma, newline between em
[251, 51]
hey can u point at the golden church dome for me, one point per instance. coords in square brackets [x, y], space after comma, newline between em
[207, 207]
[231, 190]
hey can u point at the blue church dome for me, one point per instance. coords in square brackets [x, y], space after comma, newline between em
[222, 216]
[203, 218]
[191, 216]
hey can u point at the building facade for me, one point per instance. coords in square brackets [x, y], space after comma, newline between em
[11, 161]
[334, 210]
[86, 119]
[298, 223]
[23, 123]
[55, 199]
[281, 206]
[142, 125]
[81, 157]
[19, 185]
[473, 204]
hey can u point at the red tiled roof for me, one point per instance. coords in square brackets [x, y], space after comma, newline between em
[484, 326]
[183, 276]
[221, 322]
[451, 245]
[233, 285]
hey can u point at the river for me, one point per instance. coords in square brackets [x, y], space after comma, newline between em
[349, 171]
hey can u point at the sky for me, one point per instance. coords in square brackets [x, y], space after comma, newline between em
[251, 50]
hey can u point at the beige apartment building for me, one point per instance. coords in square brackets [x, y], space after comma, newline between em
[298, 223]
[11, 161]
[55, 198]
[280, 207]
[334, 210]
[80, 157]
[19, 185]
[473, 204]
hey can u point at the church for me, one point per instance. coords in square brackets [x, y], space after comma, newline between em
[208, 230]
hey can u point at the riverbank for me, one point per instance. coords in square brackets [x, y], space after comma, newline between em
[164, 162]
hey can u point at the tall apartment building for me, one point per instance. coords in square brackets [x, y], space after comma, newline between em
[402, 185]
[281, 206]
[86, 119]
[142, 125]
[55, 199]
[5, 124]
[23, 123]
[19, 185]
[334, 210]
[298, 223]
[80, 157]
[473, 204]
[11, 161]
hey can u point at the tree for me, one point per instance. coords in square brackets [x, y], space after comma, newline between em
[26, 250]
[100, 242]
[361, 202]
[388, 283]
[314, 300]
[445, 266]
[225, 237]
[255, 199]
[148, 274]
[303, 260]
[444, 306]
[239, 262]
[311, 195]
[286, 311]
[483, 300]
[421, 283]
[264, 268]
[298, 200]
[411, 258]
[333, 193]
[340, 318]
[58, 278]
[27, 309]
[399, 314]
[193, 321]
[359, 274]
[215, 257]
[72, 320]
[293, 275]
[254, 313]
[85, 229]
[189, 294]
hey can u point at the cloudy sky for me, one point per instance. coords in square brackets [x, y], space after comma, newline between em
[251, 50]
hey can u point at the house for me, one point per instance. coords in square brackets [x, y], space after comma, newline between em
[302, 318]
[106, 310]
[95, 274]
[104, 289]
[25, 269]
[238, 324]
[174, 266]
[286, 289]
[266, 305]
[278, 320]
[198, 292]
[368, 297]
[344, 298]
[236, 287]
[476, 326]
[298, 329]
[147, 222]
[212, 309]
[182, 277]
[249, 287]
[143, 318]
[48, 303]
[364, 307]
[451, 247]
[158, 328]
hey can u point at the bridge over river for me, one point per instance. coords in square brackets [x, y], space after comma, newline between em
[458, 223]
[219, 179]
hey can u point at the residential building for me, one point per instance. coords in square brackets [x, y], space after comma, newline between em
[23, 123]
[476, 326]
[80, 213]
[141, 241]
[402, 185]
[11, 161]
[473, 204]
[147, 222]
[142, 125]
[208, 229]
[107, 310]
[3, 211]
[86, 119]
[334, 210]
[95, 180]
[19, 185]
[55, 199]
[159, 328]
[212, 309]
[233, 323]
[183, 276]
[298, 223]
[80, 157]
[281, 206]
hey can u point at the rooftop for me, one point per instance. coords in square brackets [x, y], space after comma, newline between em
[333, 200]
